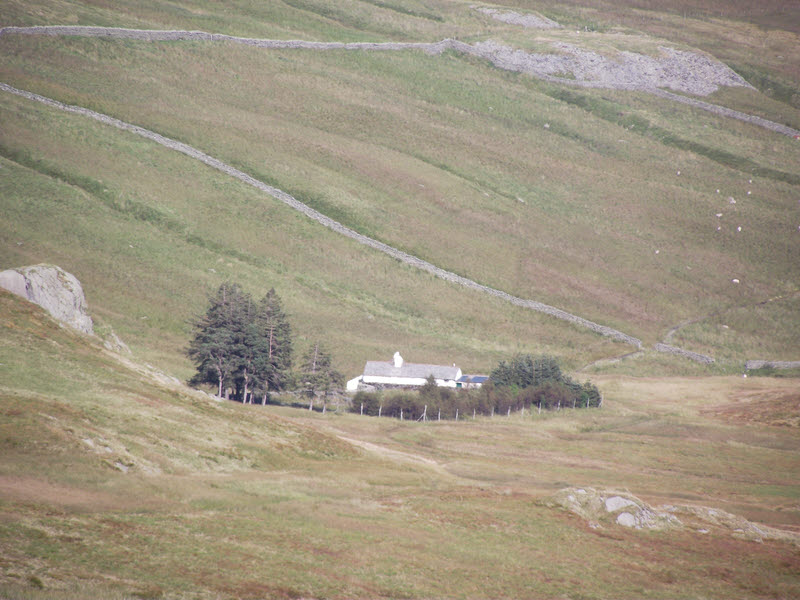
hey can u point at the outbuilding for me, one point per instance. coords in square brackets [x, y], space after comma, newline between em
[469, 382]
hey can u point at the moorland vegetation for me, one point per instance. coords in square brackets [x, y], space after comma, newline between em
[119, 485]
[655, 217]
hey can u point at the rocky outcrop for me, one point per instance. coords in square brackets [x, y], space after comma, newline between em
[598, 506]
[687, 72]
[606, 508]
[52, 288]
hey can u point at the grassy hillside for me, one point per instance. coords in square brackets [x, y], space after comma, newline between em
[566, 196]
[115, 485]
[149, 249]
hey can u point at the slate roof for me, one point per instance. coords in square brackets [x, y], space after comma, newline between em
[474, 379]
[376, 368]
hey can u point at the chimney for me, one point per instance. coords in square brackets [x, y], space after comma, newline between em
[398, 360]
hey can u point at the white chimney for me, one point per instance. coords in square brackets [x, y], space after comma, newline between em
[398, 360]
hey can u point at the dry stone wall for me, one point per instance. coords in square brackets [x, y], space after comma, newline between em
[325, 220]
[696, 357]
[683, 71]
[771, 364]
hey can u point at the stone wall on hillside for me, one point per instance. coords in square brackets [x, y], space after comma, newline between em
[695, 356]
[327, 221]
[688, 72]
[771, 364]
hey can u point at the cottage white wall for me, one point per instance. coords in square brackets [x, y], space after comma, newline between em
[352, 385]
[409, 381]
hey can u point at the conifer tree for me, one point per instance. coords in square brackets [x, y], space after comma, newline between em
[245, 345]
[212, 348]
[317, 372]
[273, 339]
[242, 345]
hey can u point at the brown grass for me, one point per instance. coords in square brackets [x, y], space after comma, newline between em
[777, 408]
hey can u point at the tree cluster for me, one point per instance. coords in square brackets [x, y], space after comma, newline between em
[244, 347]
[540, 381]
[524, 382]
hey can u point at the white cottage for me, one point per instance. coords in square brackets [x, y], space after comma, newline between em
[398, 373]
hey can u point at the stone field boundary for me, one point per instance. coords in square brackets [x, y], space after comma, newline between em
[323, 219]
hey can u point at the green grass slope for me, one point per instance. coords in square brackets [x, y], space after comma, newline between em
[149, 247]
[115, 485]
[566, 196]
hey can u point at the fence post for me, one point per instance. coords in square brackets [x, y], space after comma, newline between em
[456, 414]
[440, 415]
[362, 409]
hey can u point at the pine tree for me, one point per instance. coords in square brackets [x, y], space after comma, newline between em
[317, 372]
[273, 339]
[212, 348]
[245, 345]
